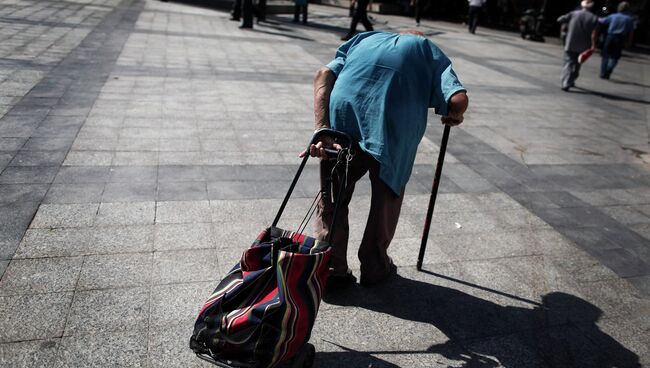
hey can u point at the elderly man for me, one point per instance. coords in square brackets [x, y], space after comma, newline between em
[378, 90]
[620, 29]
[581, 35]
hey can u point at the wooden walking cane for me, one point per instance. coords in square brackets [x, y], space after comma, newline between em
[434, 193]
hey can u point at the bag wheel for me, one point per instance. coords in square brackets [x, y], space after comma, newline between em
[305, 357]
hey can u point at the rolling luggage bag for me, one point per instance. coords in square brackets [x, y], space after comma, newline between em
[261, 314]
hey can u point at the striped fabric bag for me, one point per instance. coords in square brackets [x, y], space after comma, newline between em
[264, 309]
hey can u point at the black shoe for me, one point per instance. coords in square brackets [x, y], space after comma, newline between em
[389, 275]
[566, 89]
[347, 37]
[340, 282]
[234, 19]
[246, 27]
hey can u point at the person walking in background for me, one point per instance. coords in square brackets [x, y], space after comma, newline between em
[620, 29]
[261, 11]
[581, 35]
[247, 14]
[419, 7]
[378, 90]
[300, 7]
[360, 15]
[475, 7]
[235, 12]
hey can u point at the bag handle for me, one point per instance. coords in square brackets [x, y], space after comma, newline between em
[341, 138]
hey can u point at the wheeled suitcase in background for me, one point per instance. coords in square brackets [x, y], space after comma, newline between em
[261, 314]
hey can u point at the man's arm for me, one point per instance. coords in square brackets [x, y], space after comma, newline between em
[323, 84]
[458, 104]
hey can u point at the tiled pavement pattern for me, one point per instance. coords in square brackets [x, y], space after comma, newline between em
[144, 144]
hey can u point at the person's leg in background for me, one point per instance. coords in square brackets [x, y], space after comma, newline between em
[304, 13]
[247, 14]
[235, 13]
[570, 70]
[363, 15]
[474, 12]
[261, 11]
[615, 51]
[296, 13]
[604, 64]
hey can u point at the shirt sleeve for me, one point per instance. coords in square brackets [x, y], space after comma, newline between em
[342, 52]
[564, 18]
[445, 83]
[605, 20]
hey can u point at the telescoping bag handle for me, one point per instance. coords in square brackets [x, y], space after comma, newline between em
[342, 139]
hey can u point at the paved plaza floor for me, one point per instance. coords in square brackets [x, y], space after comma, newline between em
[144, 144]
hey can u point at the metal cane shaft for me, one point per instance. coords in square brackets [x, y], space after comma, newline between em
[434, 193]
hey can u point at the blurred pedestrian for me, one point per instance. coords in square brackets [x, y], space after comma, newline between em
[419, 7]
[360, 15]
[235, 12]
[475, 8]
[620, 30]
[300, 7]
[261, 11]
[378, 90]
[580, 37]
[247, 14]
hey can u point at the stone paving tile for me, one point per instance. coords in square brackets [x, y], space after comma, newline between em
[129, 174]
[29, 353]
[185, 266]
[183, 236]
[75, 193]
[129, 192]
[85, 241]
[182, 212]
[31, 317]
[182, 191]
[82, 174]
[38, 158]
[35, 276]
[167, 347]
[114, 310]
[177, 305]
[132, 213]
[65, 215]
[28, 175]
[16, 193]
[115, 271]
[124, 349]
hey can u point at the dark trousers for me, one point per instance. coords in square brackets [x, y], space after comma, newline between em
[236, 10]
[360, 15]
[261, 10]
[247, 13]
[611, 52]
[571, 69]
[420, 6]
[382, 220]
[300, 9]
[474, 14]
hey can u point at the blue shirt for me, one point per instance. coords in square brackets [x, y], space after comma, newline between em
[618, 24]
[385, 84]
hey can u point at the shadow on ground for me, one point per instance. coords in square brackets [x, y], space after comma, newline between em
[559, 332]
[609, 96]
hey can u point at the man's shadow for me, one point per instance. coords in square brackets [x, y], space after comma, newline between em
[560, 331]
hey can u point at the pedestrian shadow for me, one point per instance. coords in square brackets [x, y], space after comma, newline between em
[609, 96]
[315, 21]
[628, 83]
[560, 331]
